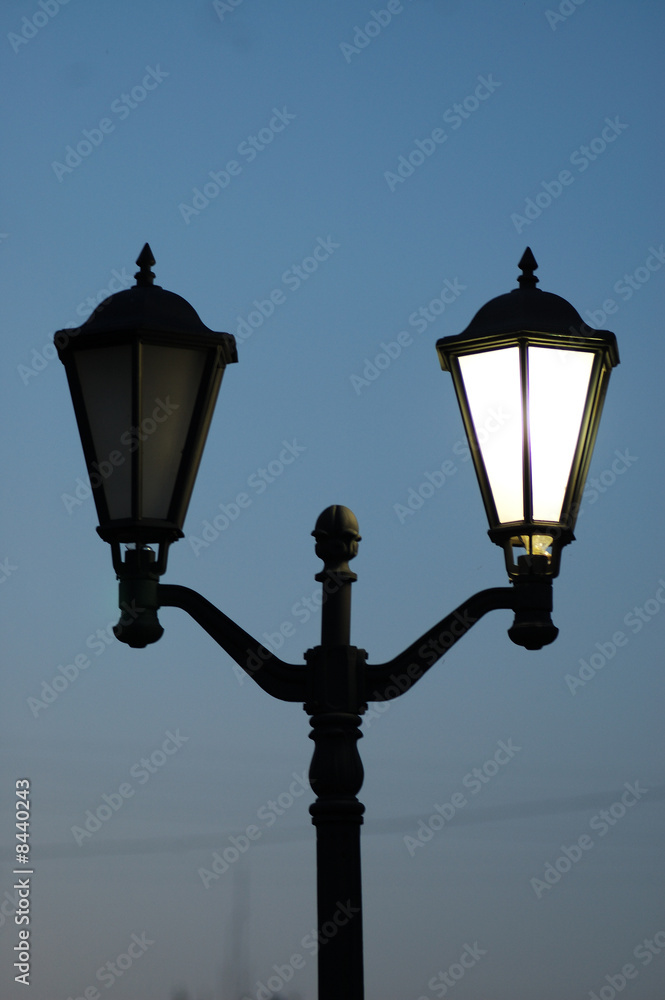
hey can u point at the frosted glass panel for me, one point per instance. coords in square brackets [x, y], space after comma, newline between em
[558, 387]
[492, 383]
[171, 381]
[106, 373]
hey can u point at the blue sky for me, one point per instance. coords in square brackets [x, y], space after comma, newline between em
[418, 147]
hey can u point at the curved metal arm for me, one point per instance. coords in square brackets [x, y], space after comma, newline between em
[282, 680]
[141, 595]
[532, 602]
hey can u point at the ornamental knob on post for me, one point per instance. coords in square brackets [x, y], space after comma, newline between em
[337, 538]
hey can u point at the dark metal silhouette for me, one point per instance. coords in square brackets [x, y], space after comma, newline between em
[335, 685]
[116, 349]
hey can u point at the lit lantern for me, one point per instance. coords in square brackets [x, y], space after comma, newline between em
[530, 378]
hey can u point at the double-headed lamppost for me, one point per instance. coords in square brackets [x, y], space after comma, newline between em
[144, 373]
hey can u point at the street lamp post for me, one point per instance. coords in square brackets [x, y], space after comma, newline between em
[144, 373]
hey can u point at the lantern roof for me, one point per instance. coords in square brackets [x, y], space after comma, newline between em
[149, 308]
[530, 309]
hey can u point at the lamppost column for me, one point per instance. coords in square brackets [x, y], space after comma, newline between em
[335, 704]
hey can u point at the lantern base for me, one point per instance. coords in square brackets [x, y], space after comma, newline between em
[141, 630]
[533, 631]
[533, 627]
[139, 579]
[539, 544]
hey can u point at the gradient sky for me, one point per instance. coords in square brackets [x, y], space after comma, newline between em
[538, 89]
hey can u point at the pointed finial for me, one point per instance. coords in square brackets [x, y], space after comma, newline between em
[528, 265]
[145, 260]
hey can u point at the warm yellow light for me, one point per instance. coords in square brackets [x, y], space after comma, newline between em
[537, 545]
